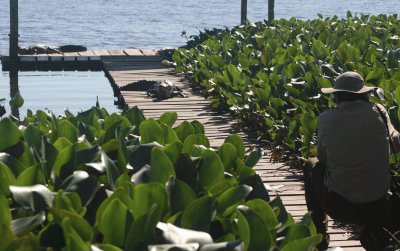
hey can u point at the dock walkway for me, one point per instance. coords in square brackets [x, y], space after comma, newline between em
[123, 67]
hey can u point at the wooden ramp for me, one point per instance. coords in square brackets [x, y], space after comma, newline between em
[278, 177]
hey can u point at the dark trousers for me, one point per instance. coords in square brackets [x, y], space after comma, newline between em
[382, 213]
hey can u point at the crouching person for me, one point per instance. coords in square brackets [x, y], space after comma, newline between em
[350, 179]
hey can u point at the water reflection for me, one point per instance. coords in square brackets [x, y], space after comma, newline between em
[14, 89]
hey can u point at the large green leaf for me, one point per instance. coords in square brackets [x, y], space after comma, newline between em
[10, 133]
[199, 214]
[17, 100]
[31, 176]
[5, 213]
[230, 199]
[111, 170]
[72, 239]
[161, 166]
[180, 195]
[194, 140]
[145, 195]
[67, 130]
[228, 154]
[151, 131]
[6, 236]
[184, 130]
[177, 235]
[135, 116]
[232, 246]
[113, 223]
[256, 225]
[211, 170]
[169, 118]
[238, 143]
[22, 225]
[37, 197]
[83, 184]
[307, 244]
[81, 226]
[253, 157]
[7, 178]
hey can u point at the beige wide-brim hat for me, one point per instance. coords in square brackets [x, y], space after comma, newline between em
[349, 81]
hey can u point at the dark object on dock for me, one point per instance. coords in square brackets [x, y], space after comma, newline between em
[140, 86]
[42, 49]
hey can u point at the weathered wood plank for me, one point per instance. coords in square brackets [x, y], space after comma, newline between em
[133, 52]
[116, 52]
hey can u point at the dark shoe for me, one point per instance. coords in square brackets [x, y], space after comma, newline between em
[324, 244]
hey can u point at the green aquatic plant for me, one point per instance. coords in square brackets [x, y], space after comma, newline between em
[269, 74]
[99, 181]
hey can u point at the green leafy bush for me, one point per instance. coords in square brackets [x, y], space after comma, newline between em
[270, 74]
[100, 181]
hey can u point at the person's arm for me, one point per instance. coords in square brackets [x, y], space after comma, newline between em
[321, 153]
[394, 134]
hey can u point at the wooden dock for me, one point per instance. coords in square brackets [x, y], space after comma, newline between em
[123, 67]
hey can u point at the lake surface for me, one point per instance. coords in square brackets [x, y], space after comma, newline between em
[155, 24]
[56, 91]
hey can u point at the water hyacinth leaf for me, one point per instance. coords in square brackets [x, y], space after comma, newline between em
[169, 118]
[6, 236]
[26, 224]
[173, 151]
[238, 143]
[113, 223]
[232, 246]
[32, 136]
[141, 176]
[151, 131]
[161, 167]
[253, 158]
[135, 116]
[185, 169]
[211, 170]
[283, 216]
[105, 247]
[169, 134]
[199, 214]
[7, 178]
[265, 211]
[308, 243]
[5, 213]
[184, 130]
[195, 139]
[31, 176]
[180, 247]
[307, 221]
[142, 230]
[64, 156]
[176, 235]
[17, 101]
[256, 225]
[37, 197]
[228, 154]
[145, 195]
[12, 136]
[319, 50]
[88, 155]
[72, 239]
[140, 155]
[180, 195]
[81, 226]
[228, 200]
[14, 164]
[308, 121]
[111, 170]
[67, 130]
[198, 127]
[84, 185]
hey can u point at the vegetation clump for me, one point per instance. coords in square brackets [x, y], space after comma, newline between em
[270, 74]
[99, 181]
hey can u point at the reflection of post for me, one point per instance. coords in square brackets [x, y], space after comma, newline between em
[243, 17]
[14, 36]
[13, 91]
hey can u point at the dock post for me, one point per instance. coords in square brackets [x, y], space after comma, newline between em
[243, 17]
[13, 38]
[271, 11]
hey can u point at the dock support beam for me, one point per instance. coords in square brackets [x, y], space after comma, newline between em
[271, 11]
[243, 17]
[14, 38]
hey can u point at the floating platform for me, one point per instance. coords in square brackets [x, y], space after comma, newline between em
[79, 61]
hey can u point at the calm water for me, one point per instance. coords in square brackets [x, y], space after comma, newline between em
[56, 91]
[115, 24]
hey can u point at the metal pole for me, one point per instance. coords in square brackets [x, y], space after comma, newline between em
[13, 37]
[244, 12]
[271, 11]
